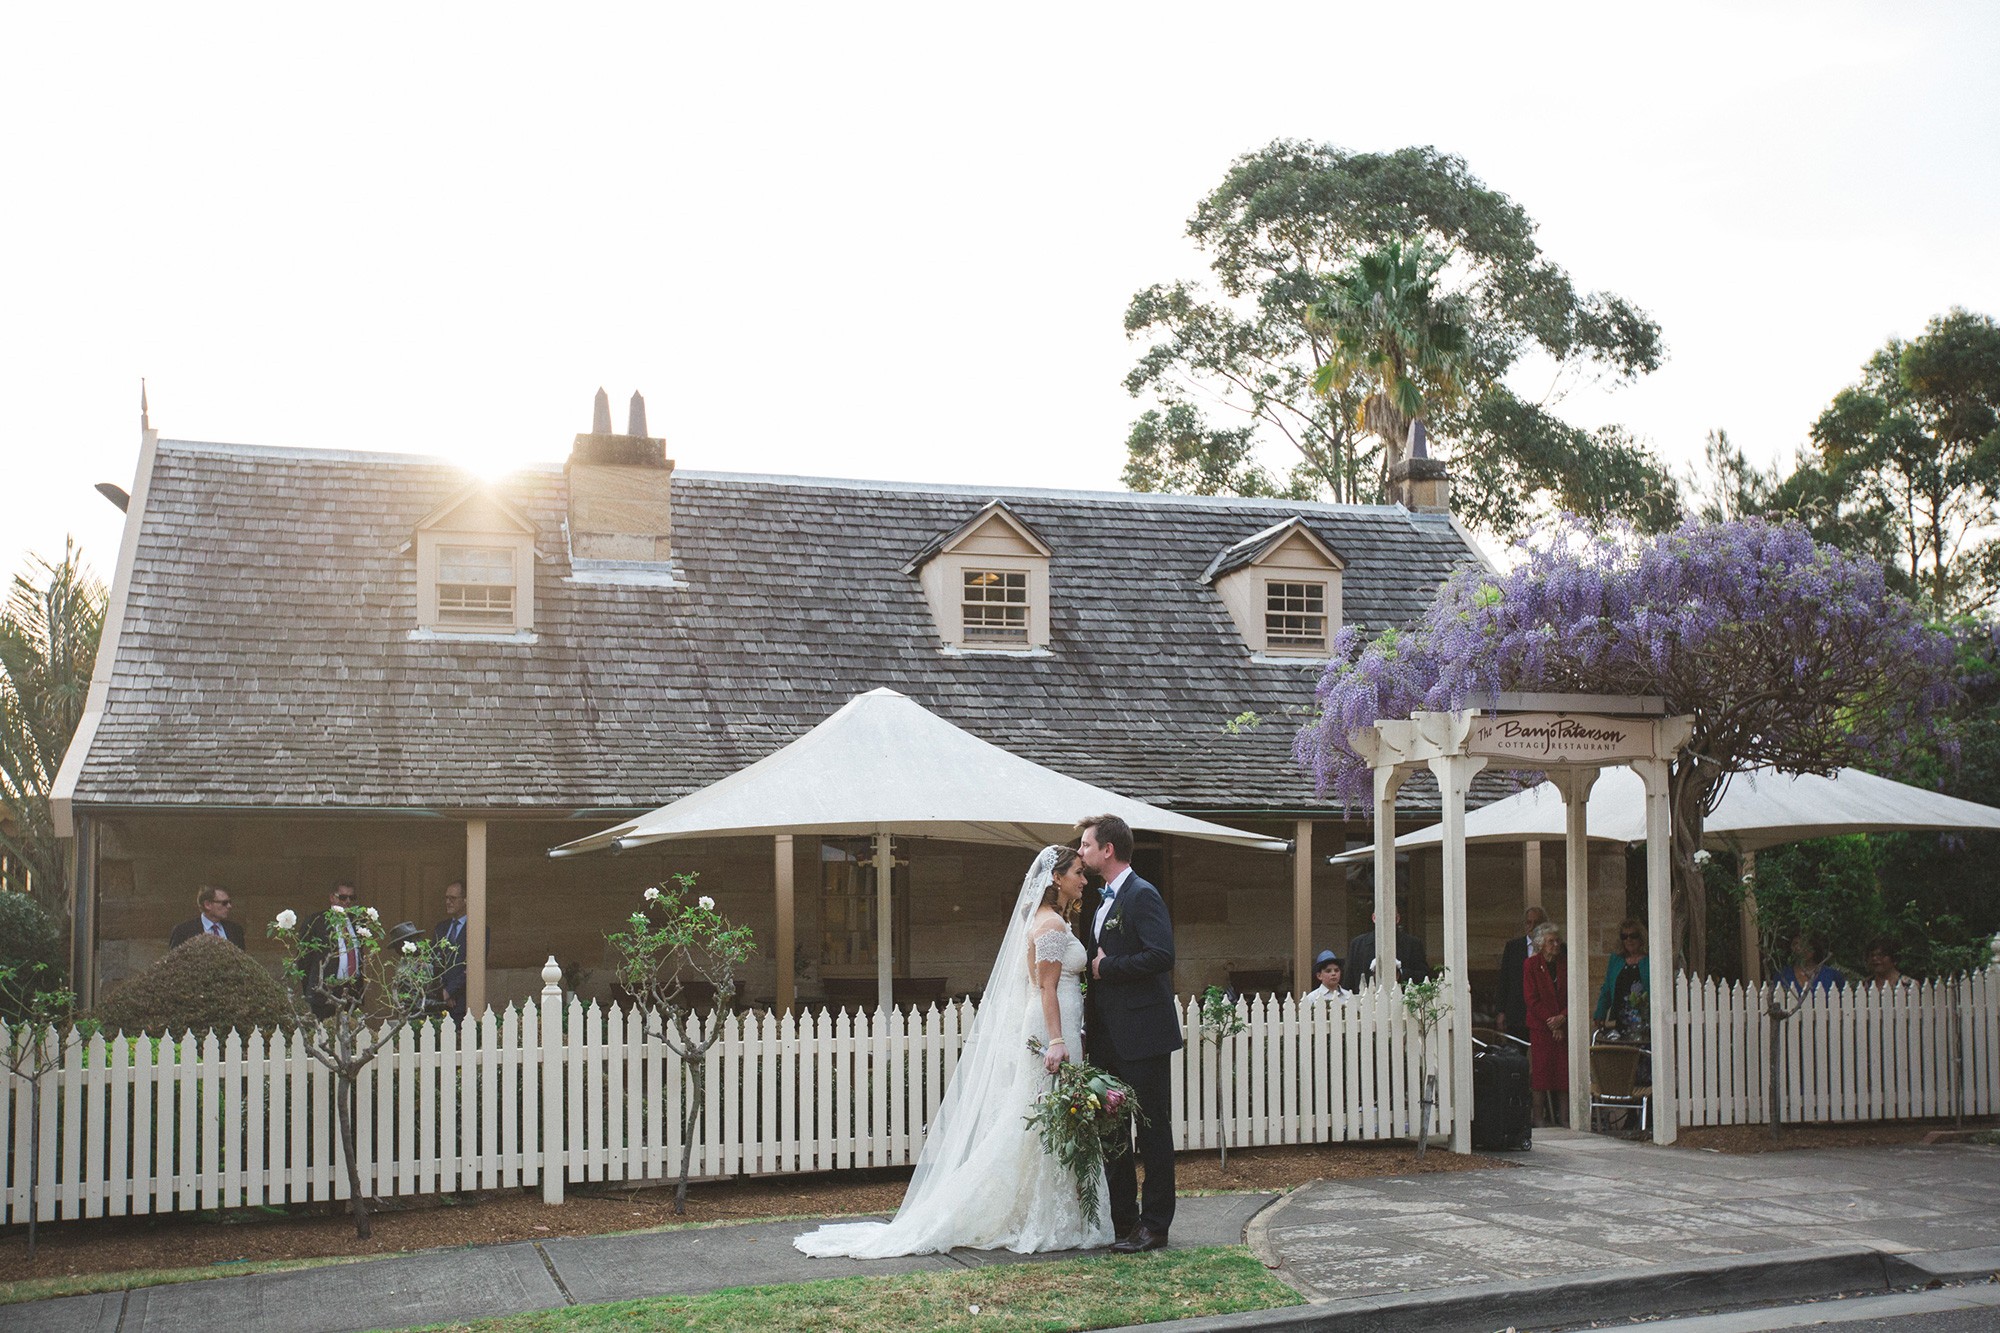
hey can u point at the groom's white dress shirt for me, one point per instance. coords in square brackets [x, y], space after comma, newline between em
[1110, 894]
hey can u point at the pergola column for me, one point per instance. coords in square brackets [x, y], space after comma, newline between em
[475, 917]
[885, 935]
[1751, 938]
[1388, 781]
[781, 879]
[1302, 907]
[1575, 785]
[1660, 946]
[1454, 775]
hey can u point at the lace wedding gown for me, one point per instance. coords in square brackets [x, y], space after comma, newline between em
[988, 1184]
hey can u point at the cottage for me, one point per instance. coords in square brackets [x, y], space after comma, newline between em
[321, 664]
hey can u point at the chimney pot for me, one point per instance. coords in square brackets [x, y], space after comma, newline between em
[600, 413]
[636, 416]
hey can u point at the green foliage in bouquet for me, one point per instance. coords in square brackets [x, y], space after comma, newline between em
[1084, 1110]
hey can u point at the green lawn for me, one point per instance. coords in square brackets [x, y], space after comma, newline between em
[1057, 1297]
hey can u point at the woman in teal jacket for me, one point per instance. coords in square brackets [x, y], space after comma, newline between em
[1628, 968]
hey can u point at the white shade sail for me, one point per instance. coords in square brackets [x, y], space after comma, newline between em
[885, 764]
[1759, 809]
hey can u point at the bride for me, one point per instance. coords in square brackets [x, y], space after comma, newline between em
[983, 1181]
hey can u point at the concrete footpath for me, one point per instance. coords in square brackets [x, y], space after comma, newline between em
[1584, 1228]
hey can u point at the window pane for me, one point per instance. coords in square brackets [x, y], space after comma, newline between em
[996, 605]
[1294, 615]
[476, 586]
[472, 604]
[475, 564]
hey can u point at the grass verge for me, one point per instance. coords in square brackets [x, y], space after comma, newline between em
[1048, 1297]
[83, 1284]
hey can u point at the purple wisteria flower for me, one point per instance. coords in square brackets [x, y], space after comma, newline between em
[1785, 651]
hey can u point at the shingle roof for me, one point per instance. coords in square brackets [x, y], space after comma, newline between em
[265, 658]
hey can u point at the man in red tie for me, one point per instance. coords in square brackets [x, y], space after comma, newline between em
[211, 918]
[331, 953]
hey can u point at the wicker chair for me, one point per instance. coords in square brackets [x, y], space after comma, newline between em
[1613, 1081]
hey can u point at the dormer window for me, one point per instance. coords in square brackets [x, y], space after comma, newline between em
[476, 586]
[475, 570]
[1281, 587]
[996, 605]
[1294, 615]
[987, 584]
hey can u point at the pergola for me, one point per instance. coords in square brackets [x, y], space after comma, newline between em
[1569, 737]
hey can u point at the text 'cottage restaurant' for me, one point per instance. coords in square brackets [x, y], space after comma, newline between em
[326, 664]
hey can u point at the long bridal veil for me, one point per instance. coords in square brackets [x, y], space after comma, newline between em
[979, 1138]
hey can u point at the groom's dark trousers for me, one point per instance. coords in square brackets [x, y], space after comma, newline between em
[1130, 1031]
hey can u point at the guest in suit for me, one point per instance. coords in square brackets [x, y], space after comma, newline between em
[1510, 1002]
[1131, 1027]
[212, 918]
[330, 953]
[450, 933]
[1411, 961]
[1545, 980]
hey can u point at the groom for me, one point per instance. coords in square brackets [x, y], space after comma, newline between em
[1130, 1027]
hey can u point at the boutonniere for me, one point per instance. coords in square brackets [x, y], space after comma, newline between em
[1116, 921]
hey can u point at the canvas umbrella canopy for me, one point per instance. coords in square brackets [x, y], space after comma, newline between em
[1760, 808]
[886, 764]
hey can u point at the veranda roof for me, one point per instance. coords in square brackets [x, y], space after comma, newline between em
[885, 764]
[1759, 809]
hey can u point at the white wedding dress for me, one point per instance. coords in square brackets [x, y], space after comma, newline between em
[983, 1181]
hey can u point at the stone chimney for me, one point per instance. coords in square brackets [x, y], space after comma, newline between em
[1417, 481]
[620, 488]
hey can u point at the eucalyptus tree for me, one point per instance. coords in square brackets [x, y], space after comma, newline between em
[1286, 225]
[49, 630]
[1917, 440]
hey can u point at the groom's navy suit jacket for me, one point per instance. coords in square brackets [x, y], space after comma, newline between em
[1131, 999]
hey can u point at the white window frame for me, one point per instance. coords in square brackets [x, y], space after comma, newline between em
[978, 630]
[1277, 640]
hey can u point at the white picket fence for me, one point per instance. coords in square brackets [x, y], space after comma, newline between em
[1919, 1051]
[227, 1122]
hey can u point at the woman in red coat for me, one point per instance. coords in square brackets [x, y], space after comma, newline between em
[1546, 987]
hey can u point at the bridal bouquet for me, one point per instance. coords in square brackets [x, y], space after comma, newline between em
[1083, 1110]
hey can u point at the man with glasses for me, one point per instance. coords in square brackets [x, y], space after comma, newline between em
[212, 918]
[331, 953]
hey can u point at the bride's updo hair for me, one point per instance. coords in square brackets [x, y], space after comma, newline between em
[1065, 858]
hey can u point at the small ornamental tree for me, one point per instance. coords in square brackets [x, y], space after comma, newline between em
[403, 981]
[1220, 1021]
[668, 943]
[41, 1025]
[1426, 1002]
[1785, 652]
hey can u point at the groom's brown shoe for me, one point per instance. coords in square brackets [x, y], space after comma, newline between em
[1142, 1238]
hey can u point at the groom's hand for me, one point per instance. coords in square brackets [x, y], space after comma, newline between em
[1094, 962]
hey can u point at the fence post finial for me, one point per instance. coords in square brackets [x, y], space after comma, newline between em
[552, 977]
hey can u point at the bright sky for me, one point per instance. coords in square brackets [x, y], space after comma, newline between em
[897, 242]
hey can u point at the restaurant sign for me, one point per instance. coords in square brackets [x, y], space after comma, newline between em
[1532, 739]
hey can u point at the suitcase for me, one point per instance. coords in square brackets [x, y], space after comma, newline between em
[1502, 1103]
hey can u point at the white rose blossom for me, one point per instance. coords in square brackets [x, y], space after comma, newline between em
[707, 903]
[362, 931]
[338, 908]
[652, 894]
[374, 915]
[287, 919]
[409, 946]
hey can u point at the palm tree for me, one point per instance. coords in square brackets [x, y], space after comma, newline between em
[1394, 334]
[48, 645]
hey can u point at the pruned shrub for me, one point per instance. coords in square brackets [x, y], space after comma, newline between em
[28, 935]
[205, 983]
